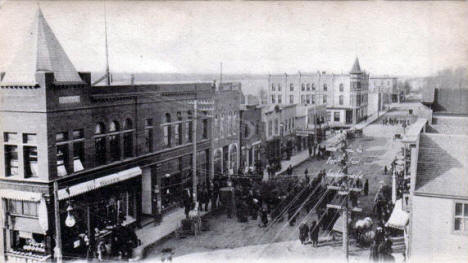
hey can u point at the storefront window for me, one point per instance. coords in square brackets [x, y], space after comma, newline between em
[28, 242]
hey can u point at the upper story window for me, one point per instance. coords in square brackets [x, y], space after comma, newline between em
[279, 87]
[273, 99]
[341, 87]
[276, 127]
[324, 98]
[303, 87]
[149, 129]
[114, 141]
[205, 128]
[273, 87]
[308, 86]
[302, 99]
[291, 87]
[291, 99]
[167, 130]
[222, 126]
[280, 100]
[341, 99]
[128, 138]
[325, 87]
[11, 160]
[11, 154]
[461, 217]
[10, 137]
[22, 208]
[29, 138]
[100, 144]
[313, 86]
[270, 128]
[178, 129]
[313, 99]
[189, 127]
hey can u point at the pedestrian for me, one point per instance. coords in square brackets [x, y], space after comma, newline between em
[374, 252]
[264, 217]
[303, 232]
[187, 201]
[306, 172]
[385, 170]
[314, 233]
[366, 187]
[290, 170]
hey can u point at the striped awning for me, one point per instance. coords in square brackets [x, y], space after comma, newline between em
[20, 195]
[98, 183]
[399, 218]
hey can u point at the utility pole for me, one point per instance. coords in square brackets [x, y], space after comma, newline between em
[194, 143]
[345, 191]
[58, 232]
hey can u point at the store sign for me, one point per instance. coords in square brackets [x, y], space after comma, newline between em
[99, 182]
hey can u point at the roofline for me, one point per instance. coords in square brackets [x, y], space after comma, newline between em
[442, 196]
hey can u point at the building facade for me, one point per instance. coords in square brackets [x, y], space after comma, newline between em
[383, 90]
[118, 153]
[251, 137]
[345, 95]
[227, 99]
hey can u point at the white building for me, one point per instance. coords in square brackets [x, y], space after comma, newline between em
[345, 95]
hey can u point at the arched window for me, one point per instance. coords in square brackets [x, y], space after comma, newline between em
[167, 130]
[128, 124]
[128, 138]
[178, 130]
[341, 87]
[189, 127]
[100, 145]
[114, 126]
[114, 141]
[308, 86]
[100, 128]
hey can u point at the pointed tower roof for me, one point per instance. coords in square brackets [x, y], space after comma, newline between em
[41, 52]
[356, 68]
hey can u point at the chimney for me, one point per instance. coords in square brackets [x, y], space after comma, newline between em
[132, 79]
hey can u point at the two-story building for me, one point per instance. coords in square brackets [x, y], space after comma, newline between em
[251, 137]
[227, 99]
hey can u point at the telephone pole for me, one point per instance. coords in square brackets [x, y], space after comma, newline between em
[194, 143]
[345, 191]
[58, 232]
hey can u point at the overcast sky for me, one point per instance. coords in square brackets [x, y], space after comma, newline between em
[413, 38]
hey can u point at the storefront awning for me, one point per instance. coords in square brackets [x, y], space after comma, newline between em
[20, 195]
[99, 182]
[399, 218]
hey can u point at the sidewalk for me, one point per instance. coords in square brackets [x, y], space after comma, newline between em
[295, 160]
[150, 235]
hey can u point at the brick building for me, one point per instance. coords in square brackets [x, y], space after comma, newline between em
[227, 99]
[119, 153]
[345, 95]
[251, 137]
